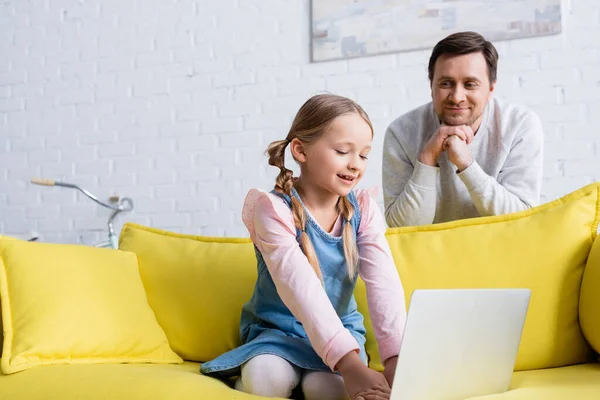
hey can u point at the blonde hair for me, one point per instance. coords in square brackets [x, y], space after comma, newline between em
[311, 122]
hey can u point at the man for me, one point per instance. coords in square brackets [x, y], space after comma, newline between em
[465, 154]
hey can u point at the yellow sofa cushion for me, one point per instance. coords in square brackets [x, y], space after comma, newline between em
[577, 382]
[68, 304]
[183, 382]
[117, 382]
[589, 307]
[1, 328]
[544, 249]
[196, 285]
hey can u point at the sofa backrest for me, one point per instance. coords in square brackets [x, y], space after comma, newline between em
[201, 283]
[544, 249]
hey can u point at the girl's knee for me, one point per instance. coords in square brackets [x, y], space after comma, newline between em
[270, 383]
[318, 385]
[269, 376]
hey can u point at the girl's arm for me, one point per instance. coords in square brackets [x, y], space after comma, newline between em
[385, 295]
[272, 230]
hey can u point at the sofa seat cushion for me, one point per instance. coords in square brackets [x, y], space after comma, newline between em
[580, 382]
[116, 382]
[183, 382]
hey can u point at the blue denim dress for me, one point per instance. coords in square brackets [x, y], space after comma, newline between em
[267, 325]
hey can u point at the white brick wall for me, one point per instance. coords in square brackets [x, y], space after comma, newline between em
[174, 102]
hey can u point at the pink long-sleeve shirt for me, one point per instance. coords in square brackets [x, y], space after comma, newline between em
[271, 226]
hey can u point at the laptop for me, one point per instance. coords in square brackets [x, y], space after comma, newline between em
[459, 343]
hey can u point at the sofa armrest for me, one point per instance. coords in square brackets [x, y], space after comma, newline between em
[589, 302]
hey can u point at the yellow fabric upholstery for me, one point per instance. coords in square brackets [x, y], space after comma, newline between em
[360, 294]
[589, 307]
[1, 331]
[196, 286]
[544, 249]
[183, 382]
[116, 382]
[68, 304]
[1, 328]
[577, 382]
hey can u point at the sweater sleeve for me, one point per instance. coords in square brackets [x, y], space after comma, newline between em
[519, 182]
[271, 226]
[409, 190]
[385, 295]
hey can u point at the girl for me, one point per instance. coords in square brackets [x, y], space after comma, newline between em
[313, 235]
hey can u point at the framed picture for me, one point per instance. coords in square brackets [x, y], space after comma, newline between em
[356, 28]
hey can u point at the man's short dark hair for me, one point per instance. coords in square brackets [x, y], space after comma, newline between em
[465, 43]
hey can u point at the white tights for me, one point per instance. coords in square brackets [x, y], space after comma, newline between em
[271, 376]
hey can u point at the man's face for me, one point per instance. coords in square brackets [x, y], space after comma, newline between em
[461, 88]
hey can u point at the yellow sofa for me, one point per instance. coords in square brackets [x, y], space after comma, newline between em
[195, 287]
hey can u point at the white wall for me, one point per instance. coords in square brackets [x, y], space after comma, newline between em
[174, 102]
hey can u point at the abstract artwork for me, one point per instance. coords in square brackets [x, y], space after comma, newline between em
[355, 28]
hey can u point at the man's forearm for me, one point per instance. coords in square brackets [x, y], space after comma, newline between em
[489, 196]
[416, 204]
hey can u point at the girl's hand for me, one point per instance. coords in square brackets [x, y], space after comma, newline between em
[361, 382]
[390, 369]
